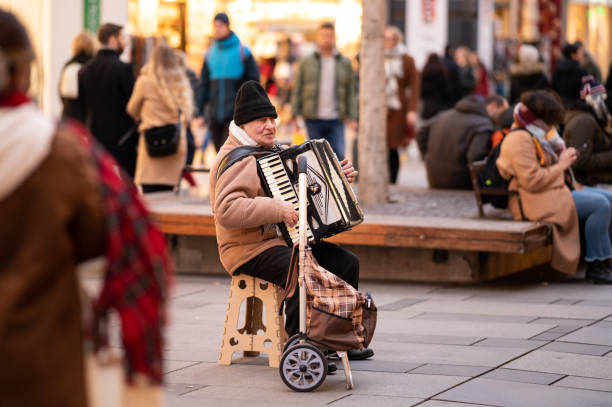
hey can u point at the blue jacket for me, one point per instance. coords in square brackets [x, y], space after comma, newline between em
[227, 65]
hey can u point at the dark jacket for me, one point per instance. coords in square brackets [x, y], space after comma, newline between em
[436, 92]
[305, 97]
[594, 165]
[453, 74]
[226, 67]
[524, 77]
[452, 139]
[567, 80]
[105, 87]
[71, 106]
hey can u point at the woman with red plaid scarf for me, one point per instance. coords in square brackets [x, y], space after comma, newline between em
[59, 200]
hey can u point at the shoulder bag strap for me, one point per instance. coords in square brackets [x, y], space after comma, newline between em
[238, 154]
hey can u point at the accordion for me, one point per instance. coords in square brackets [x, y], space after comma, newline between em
[332, 207]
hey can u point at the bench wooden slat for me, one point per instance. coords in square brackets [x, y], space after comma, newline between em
[194, 217]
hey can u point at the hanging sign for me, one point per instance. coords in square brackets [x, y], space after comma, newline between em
[91, 15]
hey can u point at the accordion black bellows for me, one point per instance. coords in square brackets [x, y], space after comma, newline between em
[332, 206]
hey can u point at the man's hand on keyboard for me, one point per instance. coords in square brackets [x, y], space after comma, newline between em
[290, 215]
[349, 171]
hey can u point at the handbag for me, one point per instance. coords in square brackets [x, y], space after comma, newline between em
[162, 141]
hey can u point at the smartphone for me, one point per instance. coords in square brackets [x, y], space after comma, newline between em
[581, 149]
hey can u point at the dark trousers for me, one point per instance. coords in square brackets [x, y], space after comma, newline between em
[219, 133]
[393, 165]
[149, 188]
[273, 265]
[330, 130]
[190, 146]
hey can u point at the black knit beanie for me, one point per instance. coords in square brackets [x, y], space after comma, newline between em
[252, 103]
[222, 17]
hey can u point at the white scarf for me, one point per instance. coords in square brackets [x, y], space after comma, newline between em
[25, 141]
[394, 69]
[241, 135]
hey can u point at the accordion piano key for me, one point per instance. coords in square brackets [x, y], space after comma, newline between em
[332, 206]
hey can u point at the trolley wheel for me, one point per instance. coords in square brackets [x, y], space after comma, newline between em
[303, 367]
[294, 340]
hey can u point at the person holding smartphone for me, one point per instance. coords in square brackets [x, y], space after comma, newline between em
[535, 160]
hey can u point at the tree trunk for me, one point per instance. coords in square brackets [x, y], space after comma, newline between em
[373, 167]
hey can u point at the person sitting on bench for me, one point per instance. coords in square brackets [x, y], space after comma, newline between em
[458, 136]
[536, 161]
[245, 218]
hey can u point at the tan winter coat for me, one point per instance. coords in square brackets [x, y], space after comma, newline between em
[52, 221]
[148, 105]
[545, 197]
[245, 217]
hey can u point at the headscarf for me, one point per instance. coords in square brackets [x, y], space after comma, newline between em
[547, 136]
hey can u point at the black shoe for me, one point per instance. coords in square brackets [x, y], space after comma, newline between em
[599, 273]
[360, 354]
[331, 367]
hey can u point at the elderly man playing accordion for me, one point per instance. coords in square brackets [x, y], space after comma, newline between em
[246, 218]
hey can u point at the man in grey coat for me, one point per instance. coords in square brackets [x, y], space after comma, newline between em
[455, 137]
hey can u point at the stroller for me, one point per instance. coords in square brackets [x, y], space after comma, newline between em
[303, 365]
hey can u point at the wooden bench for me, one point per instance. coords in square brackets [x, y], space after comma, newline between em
[396, 247]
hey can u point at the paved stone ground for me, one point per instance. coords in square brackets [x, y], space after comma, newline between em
[517, 342]
[497, 344]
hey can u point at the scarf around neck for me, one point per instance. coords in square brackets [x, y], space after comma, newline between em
[241, 135]
[26, 141]
[394, 70]
[547, 137]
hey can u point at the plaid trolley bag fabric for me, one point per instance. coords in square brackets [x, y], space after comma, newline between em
[338, 317]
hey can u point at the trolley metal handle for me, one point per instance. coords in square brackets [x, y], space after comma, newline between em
[302, 198]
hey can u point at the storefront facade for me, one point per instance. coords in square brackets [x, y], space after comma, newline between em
[263, 25]
[589, 22]
[550, 23]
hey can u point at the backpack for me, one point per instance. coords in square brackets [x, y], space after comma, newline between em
[491, 178]
[338, 317]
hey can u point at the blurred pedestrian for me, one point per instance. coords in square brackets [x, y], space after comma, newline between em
[453, 74]
[436, 88]
[467, 76]
[324, 92]
[162, 96]
[52, 219]
[227, 65]
[105, 86]
[482, 76]
[528, 74]
[586, 124]
[567, 78]
[83, 48]
[194, 82]
[589, 63]
[456, 137]
[402, 88]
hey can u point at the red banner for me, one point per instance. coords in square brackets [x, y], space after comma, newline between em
[428, 7]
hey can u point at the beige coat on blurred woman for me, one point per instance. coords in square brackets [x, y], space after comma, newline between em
[160, 90]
